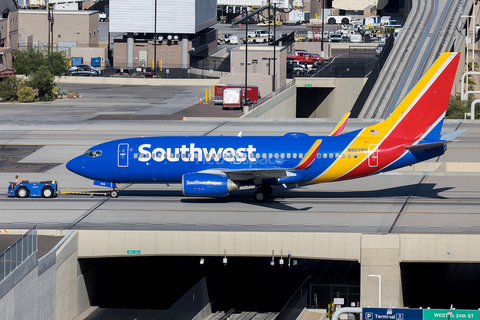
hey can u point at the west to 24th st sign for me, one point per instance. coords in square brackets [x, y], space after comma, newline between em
[419, 314]
[432, 314]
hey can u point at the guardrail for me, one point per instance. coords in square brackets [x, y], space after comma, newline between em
[273, 94]
[18, 252]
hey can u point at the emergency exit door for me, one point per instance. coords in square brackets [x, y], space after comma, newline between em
[123, 155]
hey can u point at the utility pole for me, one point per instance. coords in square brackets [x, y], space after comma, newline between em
[274, 40]
[154, 67]
[245, 106]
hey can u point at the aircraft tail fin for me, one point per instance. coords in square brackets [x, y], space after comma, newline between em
[421, 113]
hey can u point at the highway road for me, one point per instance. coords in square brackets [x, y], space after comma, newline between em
[408, 202]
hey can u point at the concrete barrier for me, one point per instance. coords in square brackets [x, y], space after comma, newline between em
[136, 81]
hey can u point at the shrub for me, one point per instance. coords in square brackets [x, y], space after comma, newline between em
[9, 88]
[30, 61]
[43, 81]
[26, 94]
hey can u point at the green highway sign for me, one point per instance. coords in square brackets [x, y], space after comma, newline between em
[308, 85]
[133, 251]
[432, 314]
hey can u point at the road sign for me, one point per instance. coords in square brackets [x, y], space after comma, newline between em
[442, 314]
[396, 314]
[133, 251]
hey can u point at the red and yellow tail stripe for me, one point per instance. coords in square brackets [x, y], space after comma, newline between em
[418, 113]
[310, 156]
[340, 126]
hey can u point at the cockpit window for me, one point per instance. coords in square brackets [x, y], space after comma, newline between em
[93, 153]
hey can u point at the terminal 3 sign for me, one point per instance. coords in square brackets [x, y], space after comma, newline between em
[419, 314]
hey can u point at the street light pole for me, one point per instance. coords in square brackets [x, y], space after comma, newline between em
[379, 288]
[472, 40]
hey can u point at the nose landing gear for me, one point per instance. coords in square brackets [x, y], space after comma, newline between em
[262, 193]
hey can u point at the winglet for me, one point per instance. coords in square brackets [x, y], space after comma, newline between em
[309, 157]
[340, 126]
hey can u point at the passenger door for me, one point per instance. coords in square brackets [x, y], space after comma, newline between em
[373, 158]
[123, 155]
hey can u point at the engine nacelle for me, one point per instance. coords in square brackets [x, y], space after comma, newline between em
[207, 185]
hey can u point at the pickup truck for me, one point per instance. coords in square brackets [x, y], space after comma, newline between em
[259, 33]
[257, 36]
[304, 57]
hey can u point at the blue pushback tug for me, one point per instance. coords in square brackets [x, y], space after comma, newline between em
[25, 189]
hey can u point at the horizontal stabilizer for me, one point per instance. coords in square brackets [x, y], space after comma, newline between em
[426, 146]
[452, 135]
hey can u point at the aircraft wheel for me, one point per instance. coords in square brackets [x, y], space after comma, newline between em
[22, 192]
[47, 192]
[260, 195]
[114, 193]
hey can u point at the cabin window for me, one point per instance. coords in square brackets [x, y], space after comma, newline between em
[270, 156]
[135, 155]
[354, 155]
[276, 155]
[319, 156]
[288, 155]
[343, 155]
[349, 155]
[300, 155]
[330, 155]
[324, 156]
[258, 156]
[294, 156]
[337, 155]
[264, 156]
[282, 155]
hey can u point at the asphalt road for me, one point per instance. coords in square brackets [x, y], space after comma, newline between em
[52, 133]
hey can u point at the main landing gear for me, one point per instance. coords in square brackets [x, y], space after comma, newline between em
[262, 193]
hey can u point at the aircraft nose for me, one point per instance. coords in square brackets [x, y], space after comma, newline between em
[75, 165]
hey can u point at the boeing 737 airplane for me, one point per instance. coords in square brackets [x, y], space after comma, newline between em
[216, 166]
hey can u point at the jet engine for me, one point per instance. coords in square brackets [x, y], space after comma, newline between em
[207, 185]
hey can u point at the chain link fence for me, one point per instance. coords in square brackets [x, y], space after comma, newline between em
[18, 252]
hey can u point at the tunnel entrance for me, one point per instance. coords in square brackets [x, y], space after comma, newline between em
[309, 99]
[439, 285]
[242, 284]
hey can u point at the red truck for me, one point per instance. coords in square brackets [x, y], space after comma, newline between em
[305, 57]
[253, 93]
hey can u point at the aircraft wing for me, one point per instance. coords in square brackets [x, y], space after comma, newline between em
[279, 174]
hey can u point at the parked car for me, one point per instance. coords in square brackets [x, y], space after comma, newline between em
[83, 70]
[99, 70]
[146, 72]
[296, 68]
[122, 72]
[335, 37]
